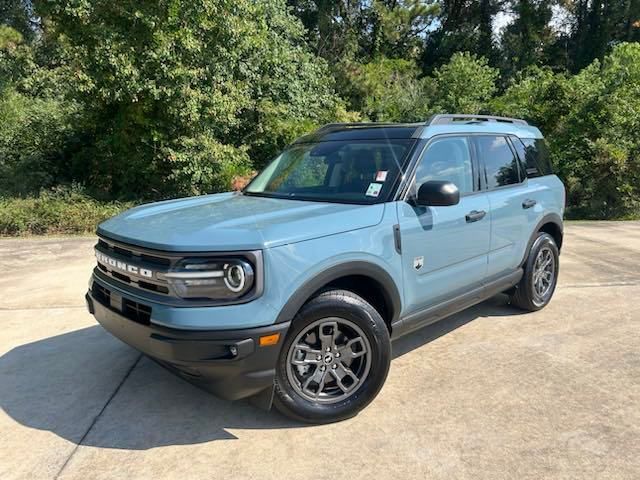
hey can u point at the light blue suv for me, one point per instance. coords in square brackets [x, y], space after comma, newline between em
[290, 291]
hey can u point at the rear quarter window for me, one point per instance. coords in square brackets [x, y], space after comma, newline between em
[534, 152]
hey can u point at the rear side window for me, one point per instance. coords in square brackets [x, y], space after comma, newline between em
[535, 154]
[499, 160]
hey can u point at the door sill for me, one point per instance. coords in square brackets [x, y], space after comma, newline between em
[429, 315]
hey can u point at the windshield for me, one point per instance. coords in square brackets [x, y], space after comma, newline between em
[352, 171]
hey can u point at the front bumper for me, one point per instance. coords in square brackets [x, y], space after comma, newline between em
[229, 363]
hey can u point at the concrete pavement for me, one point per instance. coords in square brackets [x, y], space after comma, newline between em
[488, 393]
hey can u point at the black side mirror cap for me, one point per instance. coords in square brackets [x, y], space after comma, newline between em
[437, 193]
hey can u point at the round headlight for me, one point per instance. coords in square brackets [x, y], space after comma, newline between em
[234, 277]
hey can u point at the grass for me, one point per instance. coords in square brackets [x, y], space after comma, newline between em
[55, 213]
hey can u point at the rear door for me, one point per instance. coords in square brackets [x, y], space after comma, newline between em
[444, 249]
[510, 203]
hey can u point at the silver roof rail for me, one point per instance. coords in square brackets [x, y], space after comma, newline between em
[442, 119]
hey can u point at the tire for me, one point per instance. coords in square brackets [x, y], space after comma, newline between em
[528, 295]
[343, 317]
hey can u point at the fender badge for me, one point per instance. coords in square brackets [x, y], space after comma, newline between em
[418, 262]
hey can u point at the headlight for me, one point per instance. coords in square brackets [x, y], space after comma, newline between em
[209, 278]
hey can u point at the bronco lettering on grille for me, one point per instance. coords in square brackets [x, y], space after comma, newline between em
[125, 267]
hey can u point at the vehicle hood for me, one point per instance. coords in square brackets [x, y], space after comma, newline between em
[232, 221]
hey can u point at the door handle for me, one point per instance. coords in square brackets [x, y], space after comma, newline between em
[475, 215]
[528, 203]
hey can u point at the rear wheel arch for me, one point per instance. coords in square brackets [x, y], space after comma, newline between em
[367, 280]
[555, 230]
[551, 224]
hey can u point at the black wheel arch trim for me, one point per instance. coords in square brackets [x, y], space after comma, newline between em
[548, 218]
[361, 268]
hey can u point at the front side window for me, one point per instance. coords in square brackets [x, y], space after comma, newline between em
[351, 171]
[501, 165]
[447, 159]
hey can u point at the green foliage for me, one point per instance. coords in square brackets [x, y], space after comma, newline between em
[591, 121]
[148, 100]
[392, 90]
[58, 211]
[526, 40]
[397, 27]
[168, 87]
[464, 85]
[34, 138]
[386, 90]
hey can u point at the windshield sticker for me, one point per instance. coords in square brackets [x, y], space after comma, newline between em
[381, 175]
[374, 189]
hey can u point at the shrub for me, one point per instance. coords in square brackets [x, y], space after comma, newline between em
[34, 137]
[591, 121]
[56, 211]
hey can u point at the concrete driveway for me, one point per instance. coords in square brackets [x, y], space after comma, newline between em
[488, 393]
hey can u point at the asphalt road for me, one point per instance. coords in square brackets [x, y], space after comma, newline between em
[488, 393]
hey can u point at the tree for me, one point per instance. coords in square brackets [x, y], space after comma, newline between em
[464, 85]
[386, 90]
[463, 26]
[179, 96]
[526, 40]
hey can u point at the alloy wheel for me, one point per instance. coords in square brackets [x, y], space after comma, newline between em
[543, 273]
[329, 360]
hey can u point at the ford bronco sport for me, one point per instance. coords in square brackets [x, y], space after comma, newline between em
[291, 290]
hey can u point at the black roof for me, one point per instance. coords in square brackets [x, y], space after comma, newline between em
[362, 131]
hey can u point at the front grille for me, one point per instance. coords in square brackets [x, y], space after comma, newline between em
[137, 258]
[137, 312]
[133, 254]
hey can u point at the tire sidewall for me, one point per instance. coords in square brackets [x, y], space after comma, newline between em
[369, 320]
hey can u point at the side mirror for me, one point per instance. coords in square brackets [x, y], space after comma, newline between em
[438, 193]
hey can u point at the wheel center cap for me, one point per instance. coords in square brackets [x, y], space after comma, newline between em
[328, 358]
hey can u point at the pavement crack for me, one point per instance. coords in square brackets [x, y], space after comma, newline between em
[97, 417]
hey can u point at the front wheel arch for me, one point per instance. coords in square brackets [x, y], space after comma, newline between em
[339, 276]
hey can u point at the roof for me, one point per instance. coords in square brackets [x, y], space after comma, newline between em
[362, 131]
[436, 125]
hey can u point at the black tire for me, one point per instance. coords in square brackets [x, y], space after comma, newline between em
[323, 310]
[526, 296]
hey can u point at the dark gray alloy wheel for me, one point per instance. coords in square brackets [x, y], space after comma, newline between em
[543, 275]
[334, 360]
[540, 275]
[329, 360]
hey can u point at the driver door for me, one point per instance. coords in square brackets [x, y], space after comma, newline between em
[444, 249]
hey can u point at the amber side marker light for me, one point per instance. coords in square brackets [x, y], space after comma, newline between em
[267, 340]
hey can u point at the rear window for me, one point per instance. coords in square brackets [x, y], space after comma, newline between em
[535, 154]
[499, 160]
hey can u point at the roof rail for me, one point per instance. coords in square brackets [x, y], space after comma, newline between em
[445, 118]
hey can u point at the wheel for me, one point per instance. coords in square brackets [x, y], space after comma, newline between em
[334, 361]
[540, 275]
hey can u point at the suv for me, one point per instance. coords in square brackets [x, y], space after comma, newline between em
[291, 291]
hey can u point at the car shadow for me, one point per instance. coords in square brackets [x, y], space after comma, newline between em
[497, 306]
[87, 387]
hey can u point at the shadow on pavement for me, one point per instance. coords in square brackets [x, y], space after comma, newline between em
[61, 384]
